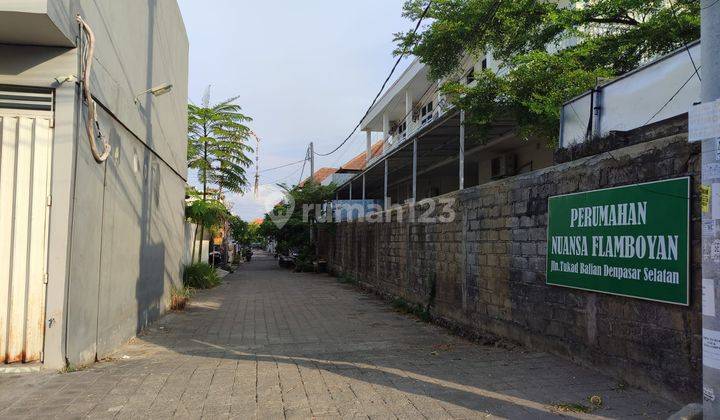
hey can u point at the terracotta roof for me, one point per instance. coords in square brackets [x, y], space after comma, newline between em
[320, 175]
[358, 162]
[258, 221]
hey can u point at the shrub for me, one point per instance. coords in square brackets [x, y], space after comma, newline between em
[304, 266]
[201, 276]
[305, 259]
[179, 297]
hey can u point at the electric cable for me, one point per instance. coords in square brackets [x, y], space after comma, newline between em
[283, 166]
[710, 5]
[303, 167]
[382, 88]
[290, 175]
[677, 92]
[490, 16]
[687, 49]
[91, 123]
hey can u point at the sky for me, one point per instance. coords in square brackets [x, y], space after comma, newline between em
[303, 70]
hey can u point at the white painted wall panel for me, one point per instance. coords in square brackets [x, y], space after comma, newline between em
[660, 90]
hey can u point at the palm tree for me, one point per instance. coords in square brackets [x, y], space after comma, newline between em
[217, 146]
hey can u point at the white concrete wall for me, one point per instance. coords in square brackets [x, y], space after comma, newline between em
[192, 242]
[660, 90]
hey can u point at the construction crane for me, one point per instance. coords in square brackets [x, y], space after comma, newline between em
[257, 163]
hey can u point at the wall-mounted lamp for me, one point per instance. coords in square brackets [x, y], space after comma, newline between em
[156, 91]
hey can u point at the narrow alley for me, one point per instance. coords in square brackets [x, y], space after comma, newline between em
[270, 343]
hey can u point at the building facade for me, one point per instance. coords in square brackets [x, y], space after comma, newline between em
[91, 249]
[425, 150]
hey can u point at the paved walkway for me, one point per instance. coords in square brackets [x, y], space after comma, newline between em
[269, 343]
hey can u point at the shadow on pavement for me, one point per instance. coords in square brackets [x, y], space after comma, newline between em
[266, 315]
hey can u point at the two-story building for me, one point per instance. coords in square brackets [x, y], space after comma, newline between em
[426, 151]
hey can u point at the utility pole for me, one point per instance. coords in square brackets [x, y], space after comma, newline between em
[710, 92]
[312, 161]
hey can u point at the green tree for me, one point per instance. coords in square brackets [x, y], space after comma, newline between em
[243, 232]
[551, 52]
[239, 230]
[298, 232]
[206, 213]
[218, 146]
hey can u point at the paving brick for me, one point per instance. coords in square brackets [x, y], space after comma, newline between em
[269, 343]
[498, 247]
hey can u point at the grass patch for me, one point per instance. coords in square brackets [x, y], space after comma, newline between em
[200, 276]
[595, 403]
[73, 368]
[572, 408]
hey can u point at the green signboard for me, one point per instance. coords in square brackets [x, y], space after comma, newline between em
[631, 241]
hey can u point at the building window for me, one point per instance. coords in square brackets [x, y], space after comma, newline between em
[484, 63]
[426, 113]
[427, 109]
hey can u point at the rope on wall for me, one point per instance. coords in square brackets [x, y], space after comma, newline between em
[91, 123]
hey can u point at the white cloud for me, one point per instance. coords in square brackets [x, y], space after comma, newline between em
[248, 207]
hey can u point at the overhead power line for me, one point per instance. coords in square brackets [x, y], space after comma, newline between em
[382, 88]
[710, 5]
[307, 155]
[674, 95]
[283, 166]
[286, 177]
[687, 48]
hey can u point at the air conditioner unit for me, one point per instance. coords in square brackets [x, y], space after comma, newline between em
[503, 166]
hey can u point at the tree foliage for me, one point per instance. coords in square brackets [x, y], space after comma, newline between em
[296, 233]
[243, 232]
[211, 214]
[551, 52]
[218, 148]
[218, 144]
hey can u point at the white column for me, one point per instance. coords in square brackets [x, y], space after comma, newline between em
[351, 191]
[386, 128]
[368, 148]
[408, 109]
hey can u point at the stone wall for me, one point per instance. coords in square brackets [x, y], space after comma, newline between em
[485, 272]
